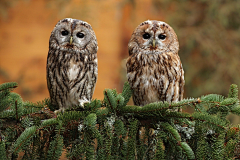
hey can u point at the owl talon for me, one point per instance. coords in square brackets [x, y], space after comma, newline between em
[59, 111]
[82, 102]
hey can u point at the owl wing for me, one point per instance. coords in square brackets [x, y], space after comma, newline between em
[181, 84]
[92, 78]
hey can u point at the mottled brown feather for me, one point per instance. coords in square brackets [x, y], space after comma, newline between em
[72, 69]
[155, 74]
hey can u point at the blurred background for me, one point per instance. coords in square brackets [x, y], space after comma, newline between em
[208, 32]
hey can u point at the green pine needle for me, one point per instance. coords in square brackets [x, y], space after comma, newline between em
[3, 155]
[23, 138]
[56, 147]
[233, 91]
[119, 131]
[8, 86]
[187, 150]
[126, 93]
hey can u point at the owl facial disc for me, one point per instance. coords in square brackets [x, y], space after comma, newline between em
[154, 37]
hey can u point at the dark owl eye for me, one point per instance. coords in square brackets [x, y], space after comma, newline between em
[146, 36]
[80, 35]
[64, 33]
[162, 36]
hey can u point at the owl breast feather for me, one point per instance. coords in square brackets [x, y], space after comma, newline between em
[73, 70]
[155, 78]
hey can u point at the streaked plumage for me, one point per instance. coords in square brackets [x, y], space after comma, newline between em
[72, 66]
[154, 69]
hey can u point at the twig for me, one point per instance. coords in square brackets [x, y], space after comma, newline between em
[109, 101]
[8, 88]
[16, 110]
[147, 151]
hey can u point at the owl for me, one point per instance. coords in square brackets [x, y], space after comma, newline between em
[154, 69]
[72, 66]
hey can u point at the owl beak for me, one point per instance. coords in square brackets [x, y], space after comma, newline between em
[71, 39]
[154, 43]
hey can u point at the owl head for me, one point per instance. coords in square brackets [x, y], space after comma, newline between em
[153, 37]
[72, 34]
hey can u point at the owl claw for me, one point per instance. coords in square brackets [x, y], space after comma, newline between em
[59, 111]
[82, 102]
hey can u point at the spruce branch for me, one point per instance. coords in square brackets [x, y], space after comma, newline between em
[160, 149]
[131, 139]
[187, 150]
[145, 153]
[48, 122]
[8, 86]
[102, 112]
[70, 116]
[154, 108]
[3, 155]
[110, 99]
[201, 148]
[16, 110]
[166, 126]
[26, 135]
[114, 126]
[126, 93]
[56, 147]
[233, 91]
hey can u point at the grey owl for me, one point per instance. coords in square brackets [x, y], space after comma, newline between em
[154, 69]
[72, 66]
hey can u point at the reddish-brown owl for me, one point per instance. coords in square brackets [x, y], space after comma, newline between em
[154, 69]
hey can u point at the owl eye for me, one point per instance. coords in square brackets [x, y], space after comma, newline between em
[80, 35]
[64, 33]
[162, 36]
[146, 36]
